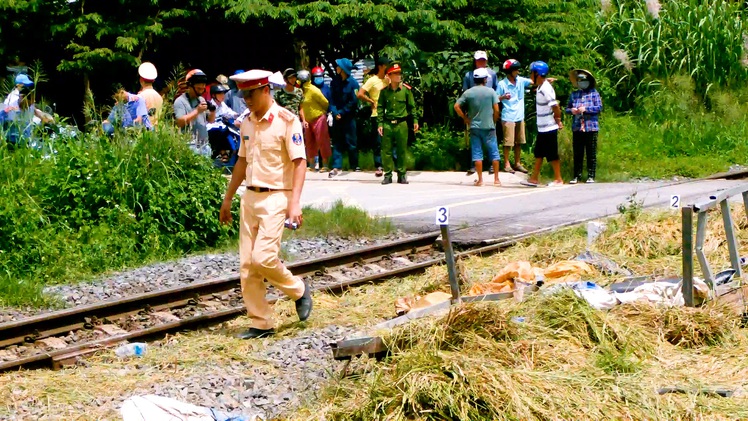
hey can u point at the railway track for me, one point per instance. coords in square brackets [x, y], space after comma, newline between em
[60, 338]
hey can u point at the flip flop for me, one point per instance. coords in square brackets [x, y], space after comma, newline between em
[508, 170]
[528, 183]
[477, 184]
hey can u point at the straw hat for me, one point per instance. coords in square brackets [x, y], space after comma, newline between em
[573, 77]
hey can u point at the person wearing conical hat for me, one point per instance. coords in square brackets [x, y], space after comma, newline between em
[585, 106]
[272, 164]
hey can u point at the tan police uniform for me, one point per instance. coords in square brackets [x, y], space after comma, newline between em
[270, 143]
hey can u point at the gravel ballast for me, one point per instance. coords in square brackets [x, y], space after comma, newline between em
[183, 272]
[268, 384]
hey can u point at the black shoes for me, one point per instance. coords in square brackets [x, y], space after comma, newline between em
[387, 179]
[254, 333]
[304, 304]
[402, 179]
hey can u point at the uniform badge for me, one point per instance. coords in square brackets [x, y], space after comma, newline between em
[270, 118]
[245, 137]
[296, 138]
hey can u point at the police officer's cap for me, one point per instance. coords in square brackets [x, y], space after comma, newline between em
[252, 79]
[394, 68]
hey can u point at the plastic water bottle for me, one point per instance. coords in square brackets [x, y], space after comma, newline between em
[137, 349]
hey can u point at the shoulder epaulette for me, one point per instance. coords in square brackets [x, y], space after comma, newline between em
[286, 115]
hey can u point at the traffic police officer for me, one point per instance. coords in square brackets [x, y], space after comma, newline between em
[395, 106]
[272, 160]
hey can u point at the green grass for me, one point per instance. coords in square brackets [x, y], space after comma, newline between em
[101, 205]
[342, 221]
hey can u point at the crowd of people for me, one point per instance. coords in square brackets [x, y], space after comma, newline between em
[332, 124]
[329, 115]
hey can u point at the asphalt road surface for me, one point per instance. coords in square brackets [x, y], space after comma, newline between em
[495, 213]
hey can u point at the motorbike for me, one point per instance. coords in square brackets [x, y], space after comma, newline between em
[224, 140]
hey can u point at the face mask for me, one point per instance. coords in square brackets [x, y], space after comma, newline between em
[583, 84]
[319, 80]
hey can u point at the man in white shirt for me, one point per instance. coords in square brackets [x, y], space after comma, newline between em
[549, 123]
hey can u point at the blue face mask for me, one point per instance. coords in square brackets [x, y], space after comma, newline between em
[583, 84]
[319, 80]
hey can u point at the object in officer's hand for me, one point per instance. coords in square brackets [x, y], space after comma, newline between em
[291, 226]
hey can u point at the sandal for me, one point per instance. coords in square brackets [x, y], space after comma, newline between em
[519, 168]
[509, 170]
[477, 183]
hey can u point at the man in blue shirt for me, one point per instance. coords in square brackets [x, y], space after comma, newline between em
[343, 107]
[511, 92]
[128, 111]
[481, 62]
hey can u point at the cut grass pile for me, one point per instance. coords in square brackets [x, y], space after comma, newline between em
[554, 357]
[565, 360]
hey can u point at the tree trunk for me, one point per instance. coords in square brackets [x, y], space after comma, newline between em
[302, 55]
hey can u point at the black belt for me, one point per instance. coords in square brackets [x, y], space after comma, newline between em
[396, 120]
[259, 189]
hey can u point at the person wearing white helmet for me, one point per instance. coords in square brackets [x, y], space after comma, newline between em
[479, 109]
[153, 100]
[480, 59]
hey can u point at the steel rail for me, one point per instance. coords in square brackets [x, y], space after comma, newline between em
[62, 357]
[55, 323]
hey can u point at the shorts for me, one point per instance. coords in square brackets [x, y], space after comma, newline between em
[514, 133]
[484, 138]
[546, 146]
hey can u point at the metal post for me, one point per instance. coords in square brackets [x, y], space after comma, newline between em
[687, 230]
[700, 236]
[732, 241]
[745, 202]
[450, 256]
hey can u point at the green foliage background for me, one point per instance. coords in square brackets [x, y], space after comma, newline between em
[99, 205]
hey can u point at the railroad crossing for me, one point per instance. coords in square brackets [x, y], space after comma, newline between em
[496, 213]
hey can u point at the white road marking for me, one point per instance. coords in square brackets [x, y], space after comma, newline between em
[476, 201]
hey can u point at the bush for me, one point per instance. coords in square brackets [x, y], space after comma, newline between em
[440, 148]
[102, 204]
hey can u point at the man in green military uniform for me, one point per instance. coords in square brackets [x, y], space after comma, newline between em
[395, 106]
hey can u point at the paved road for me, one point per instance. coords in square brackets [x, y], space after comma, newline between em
[493, 212]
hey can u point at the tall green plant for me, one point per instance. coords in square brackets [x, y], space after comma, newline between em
[646, 43]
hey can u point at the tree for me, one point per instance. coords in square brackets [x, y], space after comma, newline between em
[115, 31]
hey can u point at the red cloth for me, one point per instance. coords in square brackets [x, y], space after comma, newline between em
[317, 139]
